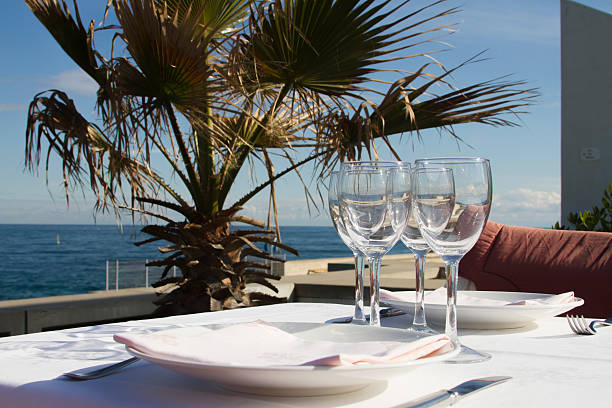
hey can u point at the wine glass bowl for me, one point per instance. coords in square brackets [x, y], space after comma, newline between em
[366, 215]
[412, 238]
[470, 210]
[433, 201]
[334, 211]
[400, 201]
[365, 199]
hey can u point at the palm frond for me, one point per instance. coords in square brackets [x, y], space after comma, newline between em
[55, 125]
[406, 108]
[218, 17]
[275, 177]
[69, 33]
[325, 46]
[171, 56]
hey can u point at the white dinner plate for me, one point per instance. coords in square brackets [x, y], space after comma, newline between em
[304, 380]
[488, 316]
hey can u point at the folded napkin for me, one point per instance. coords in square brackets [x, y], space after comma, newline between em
[438, 296]
[261, 344]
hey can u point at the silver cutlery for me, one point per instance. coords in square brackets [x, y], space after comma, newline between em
[579, 325]
[100, 372]
[444, 398]
[386, 312]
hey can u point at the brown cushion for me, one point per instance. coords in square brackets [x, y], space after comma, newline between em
[472, 265]
[544, 261]
[476, 258]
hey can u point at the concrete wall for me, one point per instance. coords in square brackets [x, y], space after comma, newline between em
[56, 312]
[59, 312]
[586, 106]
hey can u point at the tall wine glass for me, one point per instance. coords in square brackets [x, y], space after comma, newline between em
[366, 193]
[412, 239]
[473, 192]
[334, 212]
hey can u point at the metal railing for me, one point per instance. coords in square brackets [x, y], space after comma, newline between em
[276, 267]
[133, 274]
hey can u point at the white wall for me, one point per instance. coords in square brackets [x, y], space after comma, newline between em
[586, 106]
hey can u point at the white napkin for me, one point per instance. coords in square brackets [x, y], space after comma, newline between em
[261, 344]
[438, 296]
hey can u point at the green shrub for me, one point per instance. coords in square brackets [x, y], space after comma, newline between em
[599, 219]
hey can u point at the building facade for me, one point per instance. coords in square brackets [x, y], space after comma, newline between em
[586, 106]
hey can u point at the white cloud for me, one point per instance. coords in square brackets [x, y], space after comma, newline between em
[9, 107]
[75, 81]
[527, 207]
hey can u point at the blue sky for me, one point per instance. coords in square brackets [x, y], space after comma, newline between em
[520, 37]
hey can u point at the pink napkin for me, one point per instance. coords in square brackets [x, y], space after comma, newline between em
[438, 296]
[261, 344]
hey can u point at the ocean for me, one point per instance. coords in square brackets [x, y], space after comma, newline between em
[52, 260]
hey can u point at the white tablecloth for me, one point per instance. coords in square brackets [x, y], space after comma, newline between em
[550, 366]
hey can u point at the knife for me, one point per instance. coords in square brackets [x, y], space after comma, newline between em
[444, 398]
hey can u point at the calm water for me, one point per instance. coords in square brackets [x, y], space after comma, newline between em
[34, 265]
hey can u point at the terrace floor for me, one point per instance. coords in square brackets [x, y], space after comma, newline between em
[333, 279]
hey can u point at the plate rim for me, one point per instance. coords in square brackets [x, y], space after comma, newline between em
[543, 307]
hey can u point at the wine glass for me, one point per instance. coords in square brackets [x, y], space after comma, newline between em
[473, 192]
[412, 239]
[366, 200]
[334, 211]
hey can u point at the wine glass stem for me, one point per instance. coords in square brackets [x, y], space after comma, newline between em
[452, 269]
[358, 315]
[374, 290]
[419, 304]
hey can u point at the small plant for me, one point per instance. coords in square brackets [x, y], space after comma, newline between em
[599, 219]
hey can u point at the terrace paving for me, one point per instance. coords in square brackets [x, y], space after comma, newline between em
[314, 282]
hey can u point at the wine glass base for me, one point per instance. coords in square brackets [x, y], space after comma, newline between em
[360, 322]
[468, 355]
[422, 330]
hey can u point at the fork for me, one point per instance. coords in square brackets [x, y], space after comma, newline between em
[579, 325]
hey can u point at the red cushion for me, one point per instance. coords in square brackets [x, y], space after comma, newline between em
[472, 265]
[510, 258]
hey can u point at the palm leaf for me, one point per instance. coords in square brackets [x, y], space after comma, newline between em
[85, 152]
[69, 33]
[172, 57]
[273, 178]
[406, 108]
[483, 102]
[218, 17]
[325, 46]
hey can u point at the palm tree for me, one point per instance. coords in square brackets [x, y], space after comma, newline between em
[214, 85]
